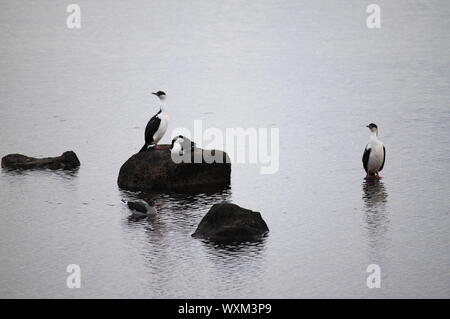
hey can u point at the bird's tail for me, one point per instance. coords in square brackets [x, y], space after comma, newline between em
[144, 148]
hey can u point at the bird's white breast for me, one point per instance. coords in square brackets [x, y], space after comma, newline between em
[376, 156]
[162, 127]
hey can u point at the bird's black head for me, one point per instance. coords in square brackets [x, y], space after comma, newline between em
[178, 138]
[373, 128]
[159, 94]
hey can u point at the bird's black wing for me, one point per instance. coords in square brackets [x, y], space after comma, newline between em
[365, 158]
[151, 128]
[384, 158]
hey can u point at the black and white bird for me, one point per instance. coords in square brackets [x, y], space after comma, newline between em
[180, 145]
[374, 154]
[157, 126]
[141, 207]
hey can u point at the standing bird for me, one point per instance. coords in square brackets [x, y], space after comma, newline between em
[141, 208]
[157, 126]
[374, 154]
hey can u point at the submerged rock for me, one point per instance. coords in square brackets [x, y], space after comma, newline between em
[68, 160]
[155, 170]
[226, 222]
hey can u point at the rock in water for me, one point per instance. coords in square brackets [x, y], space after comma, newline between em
[68, 160]
[227, 222]
[155, 170]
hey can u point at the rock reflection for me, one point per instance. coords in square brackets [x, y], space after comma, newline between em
[179, 207]
[64, 173]
[243, 249]
[238, 264]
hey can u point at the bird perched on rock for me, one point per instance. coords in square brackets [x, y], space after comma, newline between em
[180, 145]
[374, 154]
[157, 126]
[141, 207]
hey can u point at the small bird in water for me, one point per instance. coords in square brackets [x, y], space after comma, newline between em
[180, 145]
[157, 126]
[141, 207]
[374, 154]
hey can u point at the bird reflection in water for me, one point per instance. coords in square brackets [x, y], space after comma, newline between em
[376, 216]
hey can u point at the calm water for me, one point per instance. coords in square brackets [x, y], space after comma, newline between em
[312, 69]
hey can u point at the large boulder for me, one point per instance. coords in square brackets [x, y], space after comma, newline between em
[155, 170]
[226, 222]
[68, 160]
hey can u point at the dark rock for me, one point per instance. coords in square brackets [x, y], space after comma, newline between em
[68, 160]
[155, 170]
[227, 222]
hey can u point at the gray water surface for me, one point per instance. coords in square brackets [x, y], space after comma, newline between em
[312, 69]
